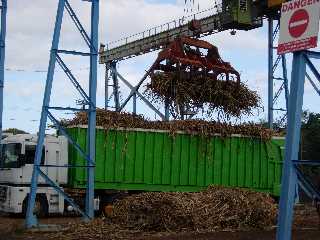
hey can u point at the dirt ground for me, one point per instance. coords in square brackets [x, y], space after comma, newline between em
[306, 227]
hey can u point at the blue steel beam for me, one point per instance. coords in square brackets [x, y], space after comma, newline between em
[73, 79]
[289, 176]
[136, 88]
[66, 166]
[313, 68]
[78, 24]
[278, 93]
[106, 87]
[273, 65]
[270, 72]
[291, 172]
[60, 191]
[68, 109]
[136, 92]
[279, 109]
[313, 83]
[285, 80]
[306, 162]
[2, 55]
[313, 54]
[76, 53]
[307, 184]
[116, 94]
[275, 32]
[305, 190]
[134, 104]
[31, 220]
[92, 107]
[64, 133]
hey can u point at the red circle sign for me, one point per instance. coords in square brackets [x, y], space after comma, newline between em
[298, 23]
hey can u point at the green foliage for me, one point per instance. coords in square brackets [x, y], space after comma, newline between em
[310, 136]
[310, 144]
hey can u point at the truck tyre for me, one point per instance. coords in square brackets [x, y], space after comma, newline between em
[41, 208]
[106, 209]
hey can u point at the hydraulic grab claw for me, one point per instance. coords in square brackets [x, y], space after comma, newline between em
[189, 76]
[193, 57]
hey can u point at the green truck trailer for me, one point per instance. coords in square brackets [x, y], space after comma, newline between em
[134, 160]
[156, 160]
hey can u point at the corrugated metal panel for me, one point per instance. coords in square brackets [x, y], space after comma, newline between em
[157, 161]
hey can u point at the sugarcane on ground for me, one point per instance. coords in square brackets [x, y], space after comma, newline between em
[306, 227]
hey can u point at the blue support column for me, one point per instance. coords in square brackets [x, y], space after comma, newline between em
[92, 107]
[134, 104]
[277, 85]
[2, 55]
[289, 177]
[89, 99]
[115, 83]
[270, 73]
[106, 87]
[31, 220]
[285, 80]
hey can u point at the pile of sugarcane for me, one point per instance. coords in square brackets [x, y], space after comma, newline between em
[197, 91]
[216, 208]
[115, 120]
[109, 120]
[144, 215]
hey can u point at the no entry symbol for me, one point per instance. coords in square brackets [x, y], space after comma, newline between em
[298, 23]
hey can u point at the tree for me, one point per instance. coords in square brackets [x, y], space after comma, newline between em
[310, 137]
[14, 131]
[309, 145]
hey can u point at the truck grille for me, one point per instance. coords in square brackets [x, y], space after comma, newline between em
[3, 193]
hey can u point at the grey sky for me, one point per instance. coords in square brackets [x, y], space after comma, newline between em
[30, 28]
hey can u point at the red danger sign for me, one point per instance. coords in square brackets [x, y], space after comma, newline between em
[298, 23]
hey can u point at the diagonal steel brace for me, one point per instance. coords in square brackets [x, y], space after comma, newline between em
[134, 90]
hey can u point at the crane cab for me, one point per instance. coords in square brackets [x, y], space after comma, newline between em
[239, 14]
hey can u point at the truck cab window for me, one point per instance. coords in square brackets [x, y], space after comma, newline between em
[243, 5]
[10, 155]
[30, 152]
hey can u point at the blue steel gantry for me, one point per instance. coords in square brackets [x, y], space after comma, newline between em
[3, 9]
[212, 20]
[141, 43]
[89, 100]
[292, 173]
[158, 37]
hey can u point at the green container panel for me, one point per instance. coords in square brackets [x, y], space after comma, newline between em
[156, 161]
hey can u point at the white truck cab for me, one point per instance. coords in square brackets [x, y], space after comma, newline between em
[16, 165]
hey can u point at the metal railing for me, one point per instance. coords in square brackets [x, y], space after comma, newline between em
[164, 27]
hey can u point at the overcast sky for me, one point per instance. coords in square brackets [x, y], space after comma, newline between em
[29, 34]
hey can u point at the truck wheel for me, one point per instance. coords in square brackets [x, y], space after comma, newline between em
[107, 210]
[41, 208]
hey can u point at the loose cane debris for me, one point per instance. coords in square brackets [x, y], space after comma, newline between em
[114, 120]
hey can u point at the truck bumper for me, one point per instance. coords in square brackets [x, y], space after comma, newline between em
[11, 199]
